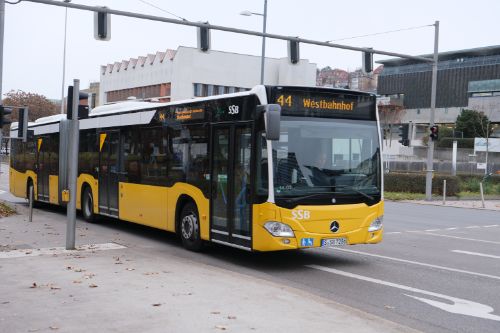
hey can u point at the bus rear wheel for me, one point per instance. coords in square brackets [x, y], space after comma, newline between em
[190, 228]
[88, 205]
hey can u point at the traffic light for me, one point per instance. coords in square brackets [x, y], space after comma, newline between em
[4, 116]
[102, 25]
[204, 38]
[293, 51]
[403, 133]
[434, 133]
[83, 108]
[367, 62]
[22, 129]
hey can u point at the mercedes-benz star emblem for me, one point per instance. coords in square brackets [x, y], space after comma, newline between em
[334, 227]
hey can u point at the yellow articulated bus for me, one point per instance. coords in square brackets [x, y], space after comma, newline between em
[271, 168]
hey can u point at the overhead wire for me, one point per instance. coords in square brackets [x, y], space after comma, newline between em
[381, 33]
[163, 10]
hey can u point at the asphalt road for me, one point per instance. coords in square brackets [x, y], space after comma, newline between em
[437, 270]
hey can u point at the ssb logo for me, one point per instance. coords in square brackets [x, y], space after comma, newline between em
[301, 214]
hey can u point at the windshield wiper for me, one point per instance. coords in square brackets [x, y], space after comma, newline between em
[309, 196]
[349, 187]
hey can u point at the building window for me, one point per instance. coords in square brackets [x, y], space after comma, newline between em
[197, 89]
[210, 90]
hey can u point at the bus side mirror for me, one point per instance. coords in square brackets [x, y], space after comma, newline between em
[272, 118]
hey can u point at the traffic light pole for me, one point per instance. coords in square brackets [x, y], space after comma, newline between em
[430, 144]
[72, 168]
[2, 26]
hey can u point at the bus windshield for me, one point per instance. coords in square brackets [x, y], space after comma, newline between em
[339, 157]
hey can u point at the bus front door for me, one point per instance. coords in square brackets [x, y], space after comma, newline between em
[230, 202]
[43, 168]
[109, 172]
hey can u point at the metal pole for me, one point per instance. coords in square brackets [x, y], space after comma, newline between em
[430, 149]
[31, 204]
[2, 27]
[64, 57]
[454, 159]
[73, 168]
[482, 193]
[227, 29]
[263, 58]
[444, 192]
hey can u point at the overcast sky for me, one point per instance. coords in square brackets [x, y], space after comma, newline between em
[33, 41]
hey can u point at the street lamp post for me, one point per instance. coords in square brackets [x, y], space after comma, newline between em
[263, 56]
[64, 57]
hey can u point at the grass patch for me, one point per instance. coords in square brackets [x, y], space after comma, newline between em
[6, 210]
[403, 196]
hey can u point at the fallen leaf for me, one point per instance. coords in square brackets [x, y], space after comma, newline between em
[220, 327]
[157, 304]
[215, 312]
[52, 287]
[231, 317]
[53, 327]
[77, 281]
[389, 307]
[130, 269]
[33, 285]
[92, 285]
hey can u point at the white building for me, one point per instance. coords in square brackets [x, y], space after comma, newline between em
[188, 72]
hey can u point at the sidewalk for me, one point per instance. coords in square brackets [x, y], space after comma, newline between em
[121, 286]
[477, 204]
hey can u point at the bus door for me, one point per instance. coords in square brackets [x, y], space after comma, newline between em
[230, 200]
[43, 167]
[109, 172]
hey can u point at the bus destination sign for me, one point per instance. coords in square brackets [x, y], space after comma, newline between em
[326, 104]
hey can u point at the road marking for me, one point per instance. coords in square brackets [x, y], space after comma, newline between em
[421, 264]
[59, 250]
[476, 254]
[453, 228]
[458, 306]
[464, 238]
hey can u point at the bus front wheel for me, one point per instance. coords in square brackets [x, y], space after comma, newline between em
[88, 205]
[190, 228]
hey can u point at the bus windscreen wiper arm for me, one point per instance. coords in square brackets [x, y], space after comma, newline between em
[355, 190]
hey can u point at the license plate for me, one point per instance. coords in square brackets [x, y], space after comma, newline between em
[330, 242]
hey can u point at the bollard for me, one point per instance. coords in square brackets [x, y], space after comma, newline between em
[31, 204]
[444, 192]
[481, 190]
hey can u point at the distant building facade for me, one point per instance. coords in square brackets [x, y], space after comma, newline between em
[188, 73]
[460, 74]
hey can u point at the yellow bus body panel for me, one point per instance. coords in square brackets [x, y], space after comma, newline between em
[201, 202]
[18, 182]
[89, 179]
[144, 204]
[314, 222]
[155, 206]
[53, 189]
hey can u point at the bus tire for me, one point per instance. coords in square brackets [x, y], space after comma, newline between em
[189, 226]
[88, 205]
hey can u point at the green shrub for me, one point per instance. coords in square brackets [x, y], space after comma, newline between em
[461, 143]
[415, 183]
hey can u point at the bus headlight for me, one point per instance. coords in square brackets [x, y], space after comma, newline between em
[278, 229]
[376, 224]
